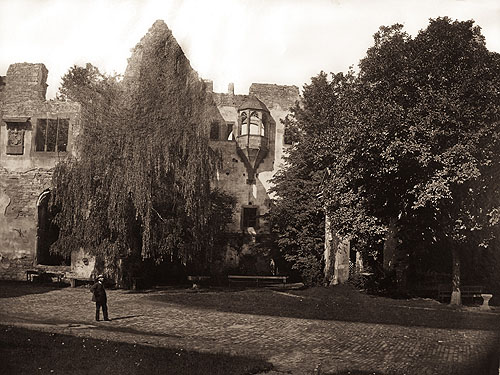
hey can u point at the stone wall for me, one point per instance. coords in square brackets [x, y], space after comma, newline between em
[281, 97]
[26, 82]
[242, 252]
[18, 210]
[15, 268]
[82, 265]
[233, 175]
[25, 174]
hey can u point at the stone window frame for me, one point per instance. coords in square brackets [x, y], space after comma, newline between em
[244, 220]
[230, 129]
[37, 136]
[251, 119]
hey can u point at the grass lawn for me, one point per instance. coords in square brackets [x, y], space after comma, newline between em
[25, 351]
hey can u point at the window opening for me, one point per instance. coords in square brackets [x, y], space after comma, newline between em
[229, 131]
[52, 135]
[249, 217]
[244, 123]
[214, 131]
[256, 124]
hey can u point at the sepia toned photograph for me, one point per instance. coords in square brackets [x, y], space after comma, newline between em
[241, 187]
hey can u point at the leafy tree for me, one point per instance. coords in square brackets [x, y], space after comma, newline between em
[411, 141]
[141, 182]
[297, 216]
[434, 106]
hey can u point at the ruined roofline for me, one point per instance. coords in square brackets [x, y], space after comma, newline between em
[272, 95]
[159, 30]
[23, 93]
[256, 87]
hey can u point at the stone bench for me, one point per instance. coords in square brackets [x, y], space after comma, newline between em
[257, 279]
[466, 291]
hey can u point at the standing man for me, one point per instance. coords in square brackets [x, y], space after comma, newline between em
[99, 296]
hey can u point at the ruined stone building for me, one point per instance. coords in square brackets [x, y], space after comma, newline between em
[36, 134]
[252, 143]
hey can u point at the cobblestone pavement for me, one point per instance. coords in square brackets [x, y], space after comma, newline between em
[292, 345]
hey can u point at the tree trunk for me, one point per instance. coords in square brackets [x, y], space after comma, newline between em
[336, 256]
[456, 295]
[329, 253]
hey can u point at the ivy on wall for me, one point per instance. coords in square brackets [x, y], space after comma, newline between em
[141, 180]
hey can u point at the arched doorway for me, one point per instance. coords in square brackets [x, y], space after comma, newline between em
[47, 234]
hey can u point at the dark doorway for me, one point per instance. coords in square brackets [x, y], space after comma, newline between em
[47, 234]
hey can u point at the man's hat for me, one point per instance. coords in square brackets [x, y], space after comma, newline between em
[101, 276]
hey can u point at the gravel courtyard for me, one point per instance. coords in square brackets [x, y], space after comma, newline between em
[332, 330]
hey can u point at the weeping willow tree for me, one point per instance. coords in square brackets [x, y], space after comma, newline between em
[140, 181]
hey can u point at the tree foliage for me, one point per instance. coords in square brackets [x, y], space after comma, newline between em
[141, 180]
[412, 140]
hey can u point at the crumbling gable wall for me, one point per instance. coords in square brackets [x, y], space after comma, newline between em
[165, 113]
[159, 70]
[25, 172]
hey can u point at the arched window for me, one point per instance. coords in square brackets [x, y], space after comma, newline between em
[244, 123]
[255, 123]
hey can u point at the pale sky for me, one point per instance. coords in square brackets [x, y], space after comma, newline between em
[240, 41]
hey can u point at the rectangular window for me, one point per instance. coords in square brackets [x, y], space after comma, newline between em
[52, 135]
[214, 131]
[229, 132]
[249, 217]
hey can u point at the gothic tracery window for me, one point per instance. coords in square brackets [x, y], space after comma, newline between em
[255, 123]
[244, 123]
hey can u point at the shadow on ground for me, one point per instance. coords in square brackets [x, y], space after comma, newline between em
[126, 317]
[10, 289]
[342, 303]
[64, 354]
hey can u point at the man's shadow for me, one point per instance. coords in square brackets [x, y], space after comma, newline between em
[126, 317]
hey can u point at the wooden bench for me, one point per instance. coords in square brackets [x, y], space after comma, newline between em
[196, 280]
[263, 280]
[58, 275]
[30, 274]
[466, 291]
[44, 275]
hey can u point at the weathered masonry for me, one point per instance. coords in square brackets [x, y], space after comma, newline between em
[35, 134]
[252, 143]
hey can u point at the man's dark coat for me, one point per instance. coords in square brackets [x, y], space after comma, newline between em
[99, 294]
